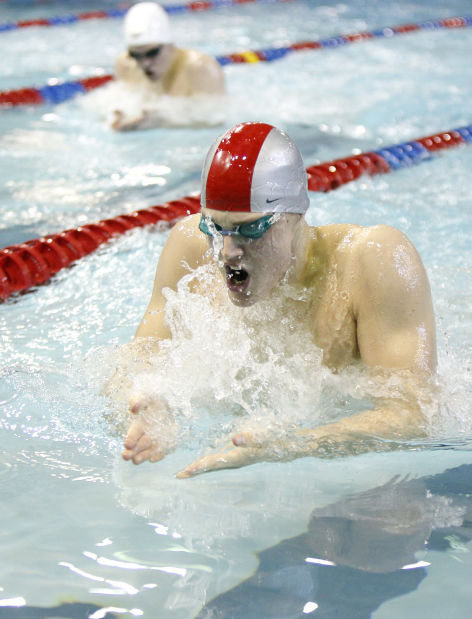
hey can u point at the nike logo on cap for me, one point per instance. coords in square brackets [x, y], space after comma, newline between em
[270, 201]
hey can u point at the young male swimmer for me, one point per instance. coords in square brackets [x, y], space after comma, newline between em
[154, 65]
[365, 296]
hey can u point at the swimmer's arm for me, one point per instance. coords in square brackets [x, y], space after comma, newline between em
[127, 69]
[171, 111]
[395, 330]
[381, 429]
[152, 432]
[396, 335]
[392, 304]
[184, 251]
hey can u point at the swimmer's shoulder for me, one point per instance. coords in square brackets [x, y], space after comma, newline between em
[364, 253]
[186, 242]
[127, 69]
[194, 58]
[203, 71]
[375, 257]
[358, 240]
[382, 242]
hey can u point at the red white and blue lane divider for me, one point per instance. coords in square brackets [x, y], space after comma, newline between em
[57, 93]
[64, 20]
[328, 176]
[52, 93]
[34, 262]
[268, 55]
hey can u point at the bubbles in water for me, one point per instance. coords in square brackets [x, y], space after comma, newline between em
[227, 369]
[162, 110]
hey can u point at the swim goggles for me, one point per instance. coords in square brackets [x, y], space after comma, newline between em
[150, 53]
[253, 230]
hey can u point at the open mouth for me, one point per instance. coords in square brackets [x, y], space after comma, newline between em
[236, 279]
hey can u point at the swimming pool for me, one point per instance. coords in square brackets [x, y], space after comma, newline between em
[81, 526]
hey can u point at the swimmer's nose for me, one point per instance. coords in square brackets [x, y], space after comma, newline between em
[232, 249]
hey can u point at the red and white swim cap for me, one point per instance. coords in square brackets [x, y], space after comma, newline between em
[254, 168]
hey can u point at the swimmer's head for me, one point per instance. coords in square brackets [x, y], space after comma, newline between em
[147, 23]
[254, 168]
[254, 195]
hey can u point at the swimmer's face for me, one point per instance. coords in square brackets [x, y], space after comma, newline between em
[154, 60]
[252, 267]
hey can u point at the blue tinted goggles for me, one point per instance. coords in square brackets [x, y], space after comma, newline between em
[253, 230]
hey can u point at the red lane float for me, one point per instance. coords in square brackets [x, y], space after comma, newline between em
[35, 262]
[328, 176]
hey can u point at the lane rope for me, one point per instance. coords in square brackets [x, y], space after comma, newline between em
[65, 20]
[34, 262]
[57, 93]
[275, 53]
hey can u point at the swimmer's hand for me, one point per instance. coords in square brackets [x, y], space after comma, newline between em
[246, 448]
[146, 119]
[120, 122]
[141, 443]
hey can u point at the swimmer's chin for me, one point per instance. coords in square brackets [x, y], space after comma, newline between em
[154, 77]
[245, 299]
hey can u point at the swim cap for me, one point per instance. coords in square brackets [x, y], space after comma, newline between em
[255, 168]
[147, 23]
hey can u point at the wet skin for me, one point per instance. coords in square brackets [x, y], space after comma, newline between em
[369, 299]
[252, 268]
[172, 71]
[153, 65]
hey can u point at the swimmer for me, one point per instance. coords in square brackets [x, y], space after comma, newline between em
[154, 65]
[364, 290]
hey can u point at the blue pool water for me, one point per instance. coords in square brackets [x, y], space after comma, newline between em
[386, 535]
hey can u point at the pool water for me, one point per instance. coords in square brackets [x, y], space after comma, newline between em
[383, 534]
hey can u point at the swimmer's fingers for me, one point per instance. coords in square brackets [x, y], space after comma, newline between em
[142, 456]
[121, 123]
[142, 449]
[135, 432]
[117, 119]
[225, 459]
[137, 439]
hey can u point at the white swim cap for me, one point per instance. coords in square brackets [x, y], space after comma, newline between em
[147, 23]
[254, 168]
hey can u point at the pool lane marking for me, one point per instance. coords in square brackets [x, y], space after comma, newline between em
[66, 20]
[54, 92]
[34, 262]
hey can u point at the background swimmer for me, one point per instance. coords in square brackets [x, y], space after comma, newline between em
[361, 293]
[154, 66]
